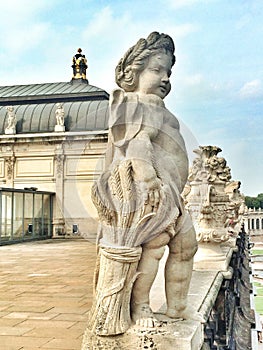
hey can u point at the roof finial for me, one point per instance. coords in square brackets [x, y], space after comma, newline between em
[79, 67]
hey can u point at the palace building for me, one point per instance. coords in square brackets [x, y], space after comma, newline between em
[53, 138]
[254, 223]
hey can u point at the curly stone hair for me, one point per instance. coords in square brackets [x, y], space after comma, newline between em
[134, 60]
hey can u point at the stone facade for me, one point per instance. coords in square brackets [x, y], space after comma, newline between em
[53, 137]
[64, 164]
[254, 223]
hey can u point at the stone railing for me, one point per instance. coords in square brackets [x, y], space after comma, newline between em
[218, 211]
[231, 322]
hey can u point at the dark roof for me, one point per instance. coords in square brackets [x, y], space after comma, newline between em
[85, 106]
[42, 92]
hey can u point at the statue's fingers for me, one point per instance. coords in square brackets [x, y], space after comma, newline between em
[145, 197]
[156, 198]
[151, 198]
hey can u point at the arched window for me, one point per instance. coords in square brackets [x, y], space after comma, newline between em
[248, 224]
[252, 224]
[257, 224]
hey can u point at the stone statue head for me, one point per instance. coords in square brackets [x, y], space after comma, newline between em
[130, 67]
[10, 108]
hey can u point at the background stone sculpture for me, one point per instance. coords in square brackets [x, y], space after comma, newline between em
[60, 118]
[215, 204]
[206, 199]
[138, 196]
[11, 121]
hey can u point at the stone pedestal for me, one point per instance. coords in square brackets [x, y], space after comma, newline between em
[59, 128]
[183, 335]
[212, 256]
[10, 131]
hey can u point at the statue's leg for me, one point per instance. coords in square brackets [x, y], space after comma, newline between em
[152, 252]
[178, 272]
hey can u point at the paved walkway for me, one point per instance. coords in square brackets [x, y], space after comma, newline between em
[45, 293]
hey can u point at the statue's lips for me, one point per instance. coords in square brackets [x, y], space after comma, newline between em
[163, 88]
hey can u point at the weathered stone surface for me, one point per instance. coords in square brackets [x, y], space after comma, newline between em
[185, 335]
[216, 207]
[138, 196]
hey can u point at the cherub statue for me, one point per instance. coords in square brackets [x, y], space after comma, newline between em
[138, 196]
[11, 121]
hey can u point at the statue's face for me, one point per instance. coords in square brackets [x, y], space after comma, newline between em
[154, 79]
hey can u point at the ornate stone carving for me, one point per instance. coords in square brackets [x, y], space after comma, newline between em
[59, 158]
[206, 198]
[236, 208]
[10, 162]
[138, 196]
[11, 121]
[216, 206]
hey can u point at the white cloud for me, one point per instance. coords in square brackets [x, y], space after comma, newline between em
[18, 11]
[199, 87]
[176, 4]
[251, 89]
[14, 40]
[108, 35]
[21, 25]
[195, 79]
[244, 21]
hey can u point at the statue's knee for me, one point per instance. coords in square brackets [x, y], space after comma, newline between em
[185, 255]
[184, 250]
[189, 250]
[158, 242]
[155, 253]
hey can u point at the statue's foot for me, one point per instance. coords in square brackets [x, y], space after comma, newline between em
[143, 316]
[185, 314]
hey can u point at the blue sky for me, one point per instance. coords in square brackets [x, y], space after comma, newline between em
[217, 82]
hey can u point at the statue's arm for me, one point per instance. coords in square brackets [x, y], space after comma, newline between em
[140, 152]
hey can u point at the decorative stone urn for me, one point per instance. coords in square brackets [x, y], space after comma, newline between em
[213, 202]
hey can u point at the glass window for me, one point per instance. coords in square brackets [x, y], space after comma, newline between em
[47, 215]
[37, 224]
[18, 217]
[28, 215]
[25, 214]
[6, 222]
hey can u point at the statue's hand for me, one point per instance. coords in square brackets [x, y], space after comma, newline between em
[152, 195]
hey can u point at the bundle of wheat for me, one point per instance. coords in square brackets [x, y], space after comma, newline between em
[125, 225]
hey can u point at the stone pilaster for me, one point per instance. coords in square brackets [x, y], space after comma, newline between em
[59, 221]
[9, 170]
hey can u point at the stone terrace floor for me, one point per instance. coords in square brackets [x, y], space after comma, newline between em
[45, 293]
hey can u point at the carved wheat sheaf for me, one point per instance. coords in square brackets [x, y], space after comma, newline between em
[105, 214]
[126, 179]
[115, 184]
